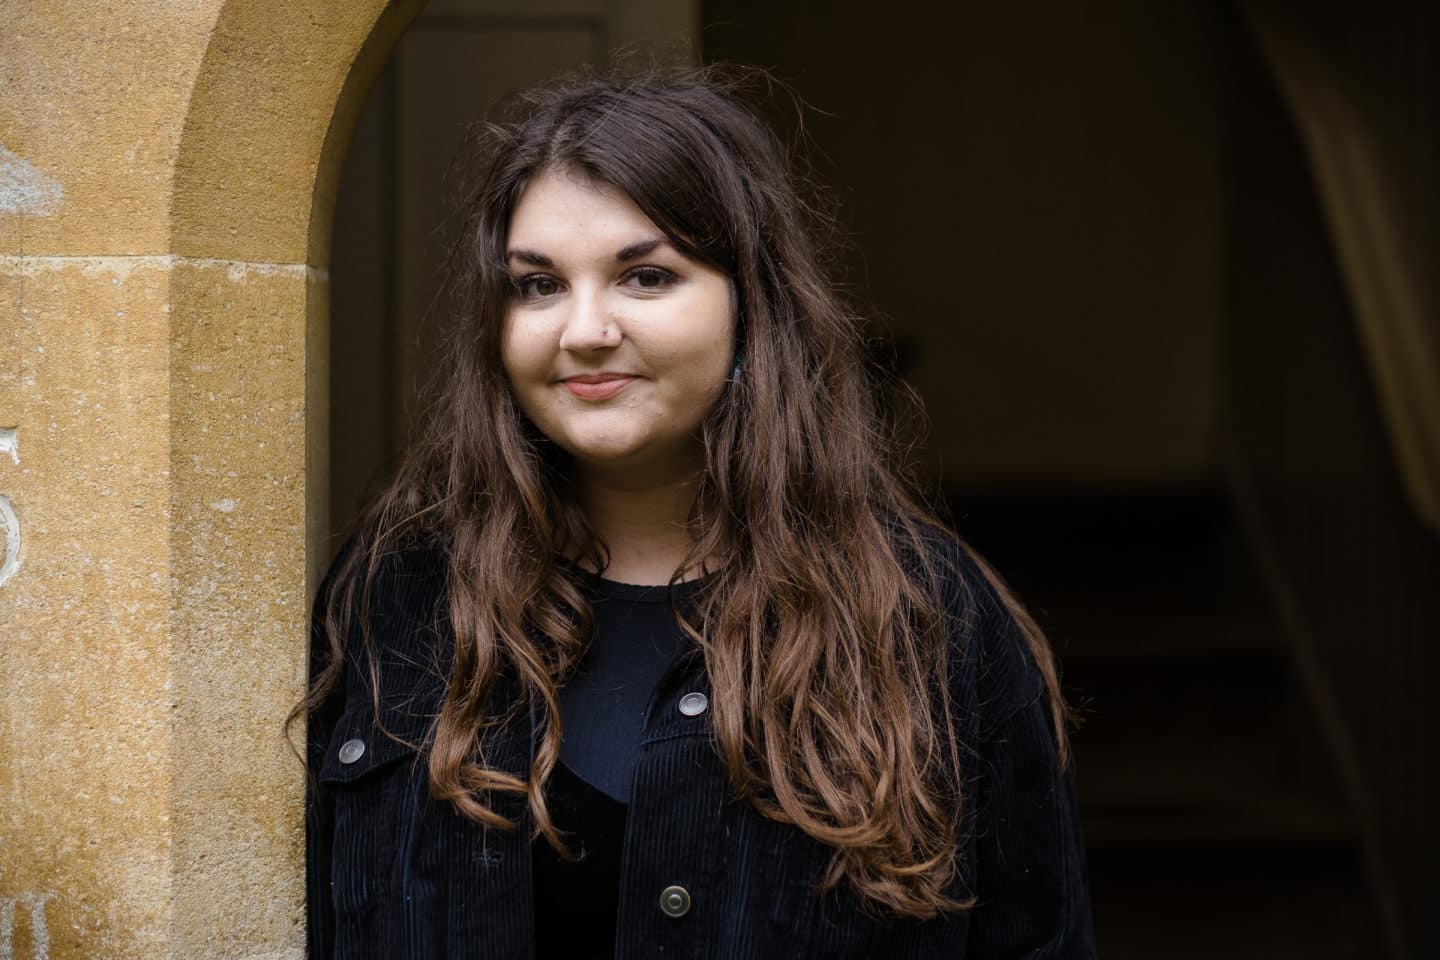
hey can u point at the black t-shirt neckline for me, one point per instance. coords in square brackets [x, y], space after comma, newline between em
[638, 592]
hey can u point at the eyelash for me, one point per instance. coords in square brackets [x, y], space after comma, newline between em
[665, 277]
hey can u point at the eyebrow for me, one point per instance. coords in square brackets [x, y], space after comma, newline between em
[639, 249]
[635, 250]
[530, 256]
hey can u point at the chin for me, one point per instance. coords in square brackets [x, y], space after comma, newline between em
[642, 454]
[609, 450]
[604, 456]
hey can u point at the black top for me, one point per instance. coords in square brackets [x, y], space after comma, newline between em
[576, 902]
[635, 640]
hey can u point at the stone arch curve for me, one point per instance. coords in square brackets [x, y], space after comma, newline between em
[271, 112]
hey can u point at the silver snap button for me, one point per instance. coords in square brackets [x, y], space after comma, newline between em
[352, 750]
[694, 704]
[674, 901]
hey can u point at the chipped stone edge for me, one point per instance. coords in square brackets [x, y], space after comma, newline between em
[121, 266]
[11, 558]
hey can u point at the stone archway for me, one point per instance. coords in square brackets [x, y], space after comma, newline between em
[166, 181]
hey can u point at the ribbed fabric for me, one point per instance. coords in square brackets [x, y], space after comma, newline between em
[394, 874]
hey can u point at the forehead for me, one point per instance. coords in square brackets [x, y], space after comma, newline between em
[564, 207]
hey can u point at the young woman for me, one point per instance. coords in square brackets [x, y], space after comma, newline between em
[647, 650]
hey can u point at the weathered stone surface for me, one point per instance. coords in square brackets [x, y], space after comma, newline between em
[88, 709]
[263, 103]
[149, 644]
[238, 567]
[163, 451]
[95, 97]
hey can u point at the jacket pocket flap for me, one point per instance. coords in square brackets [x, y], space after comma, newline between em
[359, 747]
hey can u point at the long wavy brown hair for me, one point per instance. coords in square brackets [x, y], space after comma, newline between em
[824, 628]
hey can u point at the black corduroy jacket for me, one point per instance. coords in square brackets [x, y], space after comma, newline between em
[394, 873]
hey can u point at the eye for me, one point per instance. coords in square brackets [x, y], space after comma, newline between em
[650, 278]
[537, 286]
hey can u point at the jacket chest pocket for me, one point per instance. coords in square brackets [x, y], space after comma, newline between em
[371, 777]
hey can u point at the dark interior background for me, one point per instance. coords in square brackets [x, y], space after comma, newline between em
[1034, 209]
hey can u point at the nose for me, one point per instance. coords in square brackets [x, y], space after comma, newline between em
[588, 325]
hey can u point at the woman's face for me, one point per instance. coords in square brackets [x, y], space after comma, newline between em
[616, 345]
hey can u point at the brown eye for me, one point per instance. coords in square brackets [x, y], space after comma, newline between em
[537, 286]
[651, 278]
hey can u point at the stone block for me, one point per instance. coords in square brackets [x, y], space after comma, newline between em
[87, 719]
[148, 642]
[95, 101]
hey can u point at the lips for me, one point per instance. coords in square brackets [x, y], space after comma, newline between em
[598, 386]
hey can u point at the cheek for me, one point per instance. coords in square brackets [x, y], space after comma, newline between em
[701, 347]
[522, 356]
[525, 366]
[720, 354]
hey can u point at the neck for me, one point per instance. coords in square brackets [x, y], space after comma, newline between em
[642, 519]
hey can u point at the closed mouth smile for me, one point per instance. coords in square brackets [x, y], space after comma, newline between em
[598, 386]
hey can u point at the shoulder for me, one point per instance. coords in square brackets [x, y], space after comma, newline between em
[394, 616]
[993, 664]
[406, 580]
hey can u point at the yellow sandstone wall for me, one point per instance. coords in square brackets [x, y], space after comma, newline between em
[166, 180]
